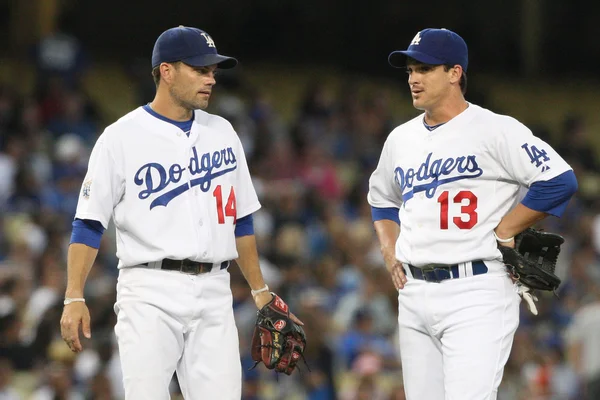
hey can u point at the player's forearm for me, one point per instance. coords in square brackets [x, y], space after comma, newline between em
[517, 220]
[387, 233]
[248, 261]
[79, 263]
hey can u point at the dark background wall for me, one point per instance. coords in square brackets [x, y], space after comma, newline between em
[554, 35]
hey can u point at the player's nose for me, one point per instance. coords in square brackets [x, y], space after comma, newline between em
[413, 78]
[211, 79]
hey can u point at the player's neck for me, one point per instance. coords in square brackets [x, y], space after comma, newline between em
[445, 111]
[167, 109]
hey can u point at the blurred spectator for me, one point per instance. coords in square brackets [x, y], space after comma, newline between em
[397, 393]
[574, 143]
[59, 55]
[319, 356]
[550, 377]
[69, 171]
[367, 388]
[361, 339]
[7, 391]
[318, 172]
[58, 384]
[47, 294]
[371, 298]
[11, 348]
[583, 343]
[8, 112]
[74, 119]
[25, 197]
[11, 156]
[51, 99]
[100, 388]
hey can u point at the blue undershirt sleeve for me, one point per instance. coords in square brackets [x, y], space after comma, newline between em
[391, 213]
[244, 226]
[552, 196]
[87, 231]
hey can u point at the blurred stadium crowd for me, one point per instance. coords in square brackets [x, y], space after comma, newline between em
[314, 231]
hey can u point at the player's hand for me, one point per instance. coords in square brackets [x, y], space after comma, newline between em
[262, 299]
[74, 315]
[395, 269]
[512, 245]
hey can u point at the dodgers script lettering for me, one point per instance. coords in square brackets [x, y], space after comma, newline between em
[435, 173]
[155, 177]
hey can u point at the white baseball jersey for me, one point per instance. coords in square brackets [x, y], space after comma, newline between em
[454, 184]
[171, 196]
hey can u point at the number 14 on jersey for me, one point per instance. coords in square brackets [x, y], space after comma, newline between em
[229, 210]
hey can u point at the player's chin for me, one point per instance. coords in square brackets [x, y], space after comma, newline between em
[419, 104]
[201, 104]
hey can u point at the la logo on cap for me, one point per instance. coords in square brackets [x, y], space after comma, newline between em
[417, 39]
[209, 40]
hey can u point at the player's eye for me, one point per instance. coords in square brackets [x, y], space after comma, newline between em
[205, 71]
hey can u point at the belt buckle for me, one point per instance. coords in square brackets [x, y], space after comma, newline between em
[429, 273]
[189, 267]
[438, 272]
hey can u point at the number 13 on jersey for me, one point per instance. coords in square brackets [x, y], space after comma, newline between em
[467, 217]
[229, 210]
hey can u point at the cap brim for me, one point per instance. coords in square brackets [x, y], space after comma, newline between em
[397, 59]
[222, 62]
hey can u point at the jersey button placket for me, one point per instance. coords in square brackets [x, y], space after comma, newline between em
[192, 199]
[197, 208]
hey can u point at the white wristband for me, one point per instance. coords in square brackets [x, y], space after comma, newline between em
[255, 292]
[69, 300]
[503, 240]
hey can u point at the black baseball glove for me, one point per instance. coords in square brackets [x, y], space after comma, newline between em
[533, 260]
[277, 340]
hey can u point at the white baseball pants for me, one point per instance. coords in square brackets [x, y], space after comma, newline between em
[174, 322]
[456, 336]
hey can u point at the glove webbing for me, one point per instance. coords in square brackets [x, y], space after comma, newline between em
[542, 256]
[270, 346]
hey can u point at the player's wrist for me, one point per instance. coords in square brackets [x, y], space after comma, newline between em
[74, 294]
[258, 291]
[262, 299]
[69, 300]
[503, 237]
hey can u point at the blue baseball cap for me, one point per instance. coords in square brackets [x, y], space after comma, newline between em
[191, 46]
[435, 47]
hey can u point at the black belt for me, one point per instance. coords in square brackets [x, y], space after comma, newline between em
[188, 266]
[439, 273]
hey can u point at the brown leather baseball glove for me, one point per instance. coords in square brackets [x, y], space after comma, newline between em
[277, 340]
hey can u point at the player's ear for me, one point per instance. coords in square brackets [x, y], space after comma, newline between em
[455, 73]
[167, 71]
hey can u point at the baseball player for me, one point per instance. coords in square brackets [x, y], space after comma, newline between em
[445, 194]
[175, 181]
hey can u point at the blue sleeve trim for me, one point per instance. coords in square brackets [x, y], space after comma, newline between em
[88, 232]
[244, 226]
[390, 213]
[552, 196]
